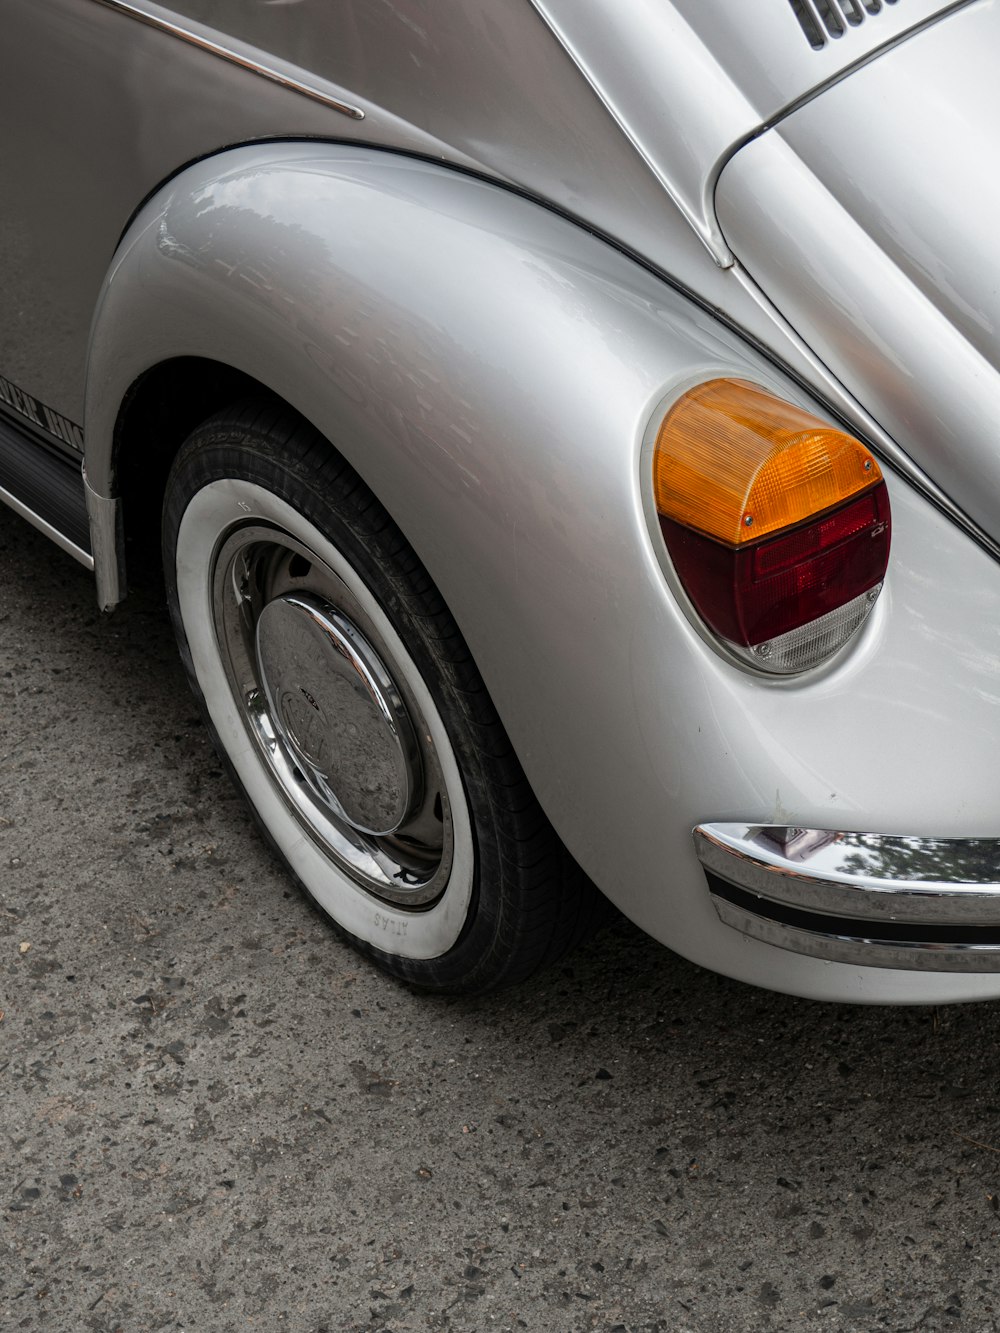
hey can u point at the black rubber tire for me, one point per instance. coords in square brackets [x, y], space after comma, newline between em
[529, 902]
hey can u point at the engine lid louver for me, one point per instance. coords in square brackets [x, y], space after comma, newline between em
[822, 20]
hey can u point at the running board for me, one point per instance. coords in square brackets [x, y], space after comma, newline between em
[45, 486]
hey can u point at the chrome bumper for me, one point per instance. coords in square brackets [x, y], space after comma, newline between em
[930, 904]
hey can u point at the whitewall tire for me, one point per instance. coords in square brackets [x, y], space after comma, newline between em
[344, 702]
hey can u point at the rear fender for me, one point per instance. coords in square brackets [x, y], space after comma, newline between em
[492, 371]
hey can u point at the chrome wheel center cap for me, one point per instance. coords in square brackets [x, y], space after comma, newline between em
[337, 711]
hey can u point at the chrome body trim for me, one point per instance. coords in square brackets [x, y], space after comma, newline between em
[53, 533]
[106, 542]
[880, 900]
[143, 15]
[861, 950]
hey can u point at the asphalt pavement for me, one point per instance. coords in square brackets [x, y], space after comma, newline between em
[214, 1116]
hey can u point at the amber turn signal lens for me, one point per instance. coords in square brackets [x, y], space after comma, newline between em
[777, 525]
[736, 463]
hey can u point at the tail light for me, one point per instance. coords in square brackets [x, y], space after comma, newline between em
[778, 525]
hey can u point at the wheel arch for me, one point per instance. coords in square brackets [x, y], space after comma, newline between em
[260, 269]
[159, 411]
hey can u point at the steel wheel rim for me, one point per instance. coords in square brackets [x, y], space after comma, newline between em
[256, 569]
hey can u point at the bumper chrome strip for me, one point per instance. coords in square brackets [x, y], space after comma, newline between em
[880, 900]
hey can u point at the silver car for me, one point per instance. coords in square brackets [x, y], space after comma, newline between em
[570, 429]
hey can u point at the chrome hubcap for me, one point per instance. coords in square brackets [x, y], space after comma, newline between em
[332, 715]
[336, 709]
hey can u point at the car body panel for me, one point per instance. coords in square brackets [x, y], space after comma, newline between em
[764, 52]
[110, 107]
[875, 252]
[732, 68]
[518, 478]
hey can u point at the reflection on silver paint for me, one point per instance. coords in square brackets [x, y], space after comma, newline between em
[688, 81]
[629, 63]
[132, 106]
